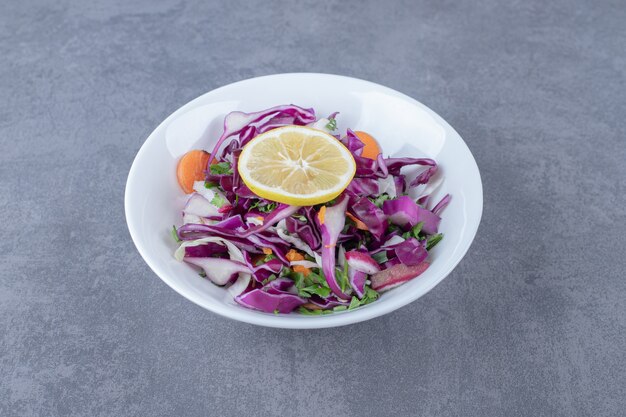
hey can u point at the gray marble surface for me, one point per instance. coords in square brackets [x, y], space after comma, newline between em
[531, 323]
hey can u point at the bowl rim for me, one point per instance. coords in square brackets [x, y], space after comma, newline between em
[283, 321]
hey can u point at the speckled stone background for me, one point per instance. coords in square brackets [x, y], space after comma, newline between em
[531, 323]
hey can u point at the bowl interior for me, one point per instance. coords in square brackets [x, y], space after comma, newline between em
[403, 127]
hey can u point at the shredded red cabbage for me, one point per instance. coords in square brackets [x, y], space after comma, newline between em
[318, 259]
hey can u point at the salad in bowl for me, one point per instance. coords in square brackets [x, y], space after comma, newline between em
[293, 216]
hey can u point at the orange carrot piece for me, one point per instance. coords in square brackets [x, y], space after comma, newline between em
[321, 215]
[358, 223]
[294, 255]
[371, 149]
[302, 269]
[191, 168]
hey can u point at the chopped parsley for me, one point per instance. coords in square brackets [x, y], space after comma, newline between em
[433, 240]
[221, 168]
[218, 201]
[299, 217]
[380, 257]
[378, 201]
[332, 124]
[175, 235]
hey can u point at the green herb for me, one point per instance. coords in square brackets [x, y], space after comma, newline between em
[309, 285]
[415, 231]
[218, 201]
[433, 240]
[332, 124]
[369, 296]
[268, 279]
[267, 207]
[297, 277]
[319, 279]
[378, 201]
[210, 184]
[221, 168]
[299, 217]
[340, 308]
[175, 235]
[276, 311]
[392, 228]
[308, 312]
[267, 258]
[406, 235]
[307, 292]
[381, 257]
[342, 277]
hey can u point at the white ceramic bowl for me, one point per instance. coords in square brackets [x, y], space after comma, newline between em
[403, 126]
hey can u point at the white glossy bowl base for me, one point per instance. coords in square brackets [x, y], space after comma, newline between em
[403, 127]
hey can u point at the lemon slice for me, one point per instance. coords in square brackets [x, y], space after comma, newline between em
[296, 165]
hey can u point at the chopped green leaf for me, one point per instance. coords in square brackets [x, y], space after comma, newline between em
[218, 201]
[221, 168]
[319, 279]
[175, 235]
[307, 292]
[370, 293]
[415, 231]
[369, 296]
[210, 184]
[381, 257]
[269, 279]
[406, 235]
[268, 207]
[308, 312]
[297, 277]
[342, 277]
[276, 311]
[340, 308]
[332, 124]
[433, 240]
[392, 228]
[267, 258]
[378, 201]
[299, 217]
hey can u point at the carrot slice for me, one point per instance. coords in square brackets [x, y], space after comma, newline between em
[191, 168]
[302, 269]
[371, 149]
[294, 255]
[358, 223]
